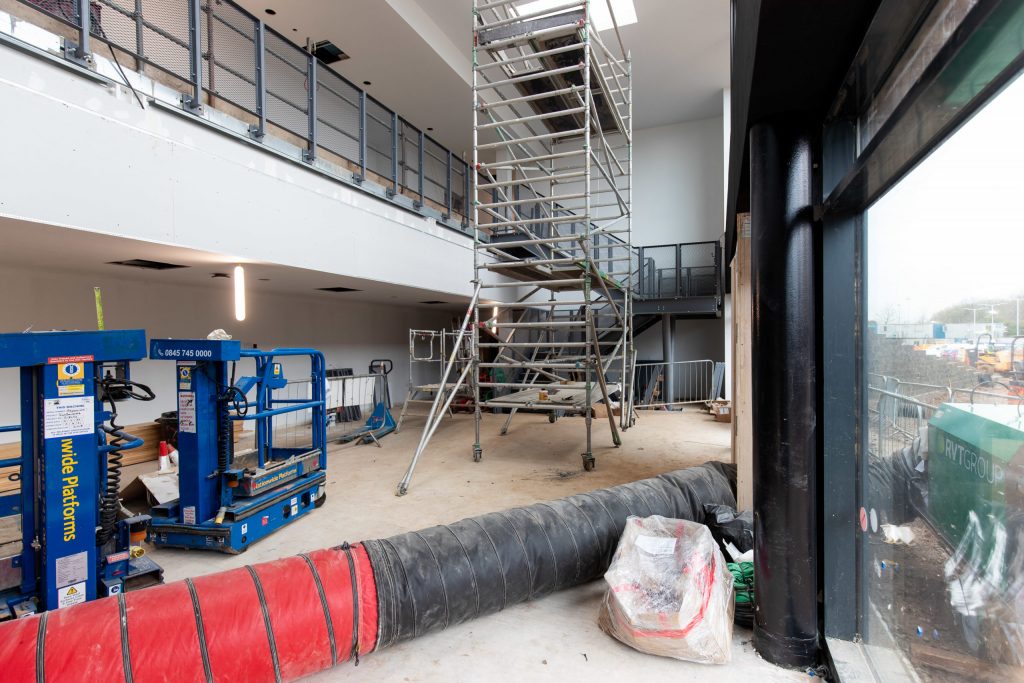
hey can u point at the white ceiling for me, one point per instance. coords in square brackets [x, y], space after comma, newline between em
[416, 55]
[24, 244]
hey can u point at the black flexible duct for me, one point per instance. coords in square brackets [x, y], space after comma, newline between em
[434, 578]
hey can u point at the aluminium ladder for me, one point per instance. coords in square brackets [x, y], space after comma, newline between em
[550, 319]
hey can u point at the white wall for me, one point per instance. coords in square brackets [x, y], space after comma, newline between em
[89, 158]
[350, 334]
[678, 193]
[678, 196]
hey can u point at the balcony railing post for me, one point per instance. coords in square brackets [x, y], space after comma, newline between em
[310, 154]
[195, 57]
[679, 269]
[419, 204]
[362, 138]
[448, 188]
[466, 198]
[139, 49]
[259, 129]
[84, 11]
[394, 155]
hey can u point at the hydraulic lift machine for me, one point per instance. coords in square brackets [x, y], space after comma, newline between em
[72, 545]
[229, 500]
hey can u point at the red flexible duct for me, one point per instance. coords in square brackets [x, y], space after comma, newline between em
[275, 621]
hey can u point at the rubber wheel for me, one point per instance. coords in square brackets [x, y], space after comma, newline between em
[319, 502]
[589, 464]
[478, 455]
[552, 418]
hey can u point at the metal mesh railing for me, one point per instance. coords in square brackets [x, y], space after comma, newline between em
[271, 84]
[230, 61]
[337, 110]
[669, 271]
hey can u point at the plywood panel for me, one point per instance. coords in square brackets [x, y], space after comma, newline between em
[742, 311]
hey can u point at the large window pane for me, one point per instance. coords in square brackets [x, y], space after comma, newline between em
[943, 483]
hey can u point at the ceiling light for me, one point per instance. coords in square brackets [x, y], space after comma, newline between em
[239, 293]
[430, 129]
[367, 83]
[220, 275]
[336, 289]
[432, 302]
[271, 12]
[625, 11]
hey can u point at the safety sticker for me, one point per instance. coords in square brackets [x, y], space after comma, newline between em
[72, 569]
[295, 509]
[185, 377]
[71, 595]
[57, 360]
[245, 528]
[187, 412]
[188, 515]
[66, 417]
[71, 379]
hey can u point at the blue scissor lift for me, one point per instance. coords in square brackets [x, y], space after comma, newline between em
[226, 503]
[74, 545]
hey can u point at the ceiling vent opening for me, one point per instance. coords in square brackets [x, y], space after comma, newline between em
[146, 263]
[433, 302]
[327, 52]
[337, 289]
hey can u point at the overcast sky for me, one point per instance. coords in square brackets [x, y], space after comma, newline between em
[953, 230]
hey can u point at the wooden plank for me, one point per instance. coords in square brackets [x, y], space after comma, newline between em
[742, 313]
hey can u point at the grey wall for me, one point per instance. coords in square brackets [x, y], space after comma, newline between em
[350, 334]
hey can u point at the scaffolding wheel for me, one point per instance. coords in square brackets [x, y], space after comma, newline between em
[402, 490]
[478, 454]
[552, 418]
[589, 463]
[319, 502]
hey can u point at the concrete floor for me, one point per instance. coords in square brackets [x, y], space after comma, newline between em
[555, 638]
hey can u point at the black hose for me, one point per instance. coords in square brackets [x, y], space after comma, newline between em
[231, 397]
[438, 577]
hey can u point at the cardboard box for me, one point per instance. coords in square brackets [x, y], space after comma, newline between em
[722, 411]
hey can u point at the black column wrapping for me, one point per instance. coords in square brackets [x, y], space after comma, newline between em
[784, 393]
[434, 578]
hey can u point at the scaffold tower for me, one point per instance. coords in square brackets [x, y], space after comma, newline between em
[550, 319]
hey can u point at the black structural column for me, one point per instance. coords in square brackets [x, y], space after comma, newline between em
[784, 393]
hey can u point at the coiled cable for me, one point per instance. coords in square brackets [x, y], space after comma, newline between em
[115, 389]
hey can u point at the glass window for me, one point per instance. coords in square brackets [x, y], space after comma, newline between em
[942, 572]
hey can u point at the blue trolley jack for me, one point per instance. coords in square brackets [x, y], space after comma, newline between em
[73, 545]
[381, 422]
[229, 500]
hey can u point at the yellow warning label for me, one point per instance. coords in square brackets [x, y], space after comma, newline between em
[71, 379]
[72, 591]
[185, 372]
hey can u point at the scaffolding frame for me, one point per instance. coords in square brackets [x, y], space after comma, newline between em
[551, 217]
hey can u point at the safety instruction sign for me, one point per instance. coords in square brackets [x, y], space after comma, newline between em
[64, 417]
[71, 379]
[72, 568]
[187, 412]
[71, 595]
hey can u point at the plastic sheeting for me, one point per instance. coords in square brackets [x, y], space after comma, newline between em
[670, 592]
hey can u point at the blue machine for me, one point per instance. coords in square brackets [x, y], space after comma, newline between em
[73, 546]
[228, 501]
[380, 423]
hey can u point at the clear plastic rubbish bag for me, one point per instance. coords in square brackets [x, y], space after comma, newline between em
[670, 593]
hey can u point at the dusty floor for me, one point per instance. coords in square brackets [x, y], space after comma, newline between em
[556, 638]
